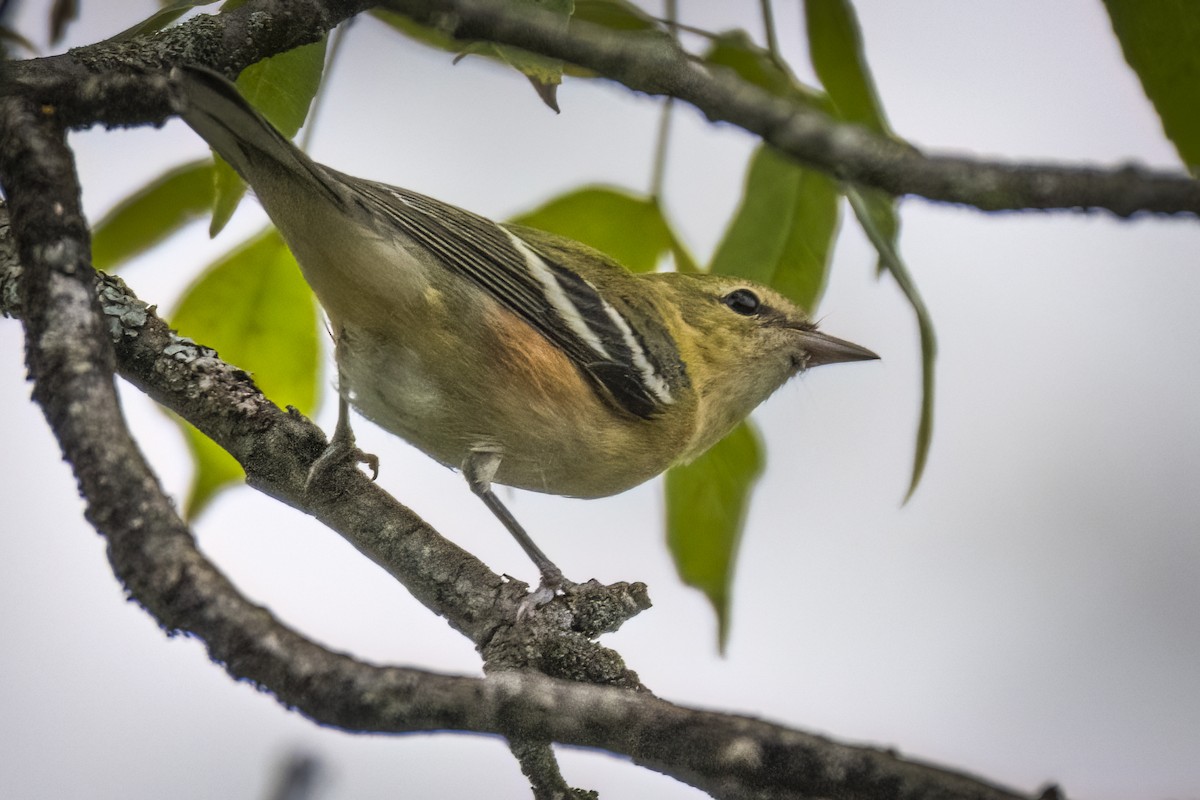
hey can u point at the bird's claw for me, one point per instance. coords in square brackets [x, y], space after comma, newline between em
[547, 589]
[337, 452]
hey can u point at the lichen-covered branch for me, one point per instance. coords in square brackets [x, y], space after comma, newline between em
[154, 555]
[123, 83]
[277, 449]
[547, 680]
[655, 66]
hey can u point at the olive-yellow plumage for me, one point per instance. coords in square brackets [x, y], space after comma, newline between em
[520, 356]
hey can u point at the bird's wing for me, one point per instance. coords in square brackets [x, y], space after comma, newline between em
[605, 344]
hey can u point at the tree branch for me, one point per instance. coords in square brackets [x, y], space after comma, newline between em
[123, 84]
[657, 66]
[73, 343]
[154, 555]
[277, 449]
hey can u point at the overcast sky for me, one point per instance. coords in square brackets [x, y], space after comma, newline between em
[1033, 614]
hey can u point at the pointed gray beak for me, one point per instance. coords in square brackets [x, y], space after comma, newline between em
[825, 349]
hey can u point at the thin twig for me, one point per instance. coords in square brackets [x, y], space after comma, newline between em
[336, 37]
[769, 27]
[664, 120]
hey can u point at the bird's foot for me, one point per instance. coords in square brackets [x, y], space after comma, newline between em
[550, 586]
[339, 451]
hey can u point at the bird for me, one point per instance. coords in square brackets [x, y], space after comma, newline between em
[518, 356]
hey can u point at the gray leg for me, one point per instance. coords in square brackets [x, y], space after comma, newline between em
[479, 468]
[341, 445]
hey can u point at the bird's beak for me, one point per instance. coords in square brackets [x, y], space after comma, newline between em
[825, 349]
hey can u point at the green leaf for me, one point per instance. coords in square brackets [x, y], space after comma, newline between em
[783, 232]
[424, 34]
[617, 15]
[227, 192]
[62, 13]
[706, 508]
[8, 35]
[282, 87]
[544, 73]
[736, 51]
[214, 469]
[881, 210]
[152, 213]
[255, 309]
[630, 228]
[683, 259]
[836, 49]
[891, 260]
[1161, 42]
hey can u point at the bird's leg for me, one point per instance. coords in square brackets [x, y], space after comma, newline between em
[479, 468]
[341, 445]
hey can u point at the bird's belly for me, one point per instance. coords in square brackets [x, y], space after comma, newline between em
[576, 449]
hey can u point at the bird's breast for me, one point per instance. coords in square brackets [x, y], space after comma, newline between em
[492, 383]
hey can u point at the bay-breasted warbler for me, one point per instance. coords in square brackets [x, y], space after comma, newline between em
[519, 356]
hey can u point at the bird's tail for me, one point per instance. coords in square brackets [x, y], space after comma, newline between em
[263, 156]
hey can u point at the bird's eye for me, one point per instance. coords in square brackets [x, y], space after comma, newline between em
[743, 301]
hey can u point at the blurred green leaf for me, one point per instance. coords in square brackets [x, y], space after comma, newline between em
[282, 87]
[783, 232]
[630, 228]
[7, 34]
[706, 508]
[683, 259]
[891, 260]
[62, 13]
[255, 309]
[152, 213]
[1161, 42]
[213, 470]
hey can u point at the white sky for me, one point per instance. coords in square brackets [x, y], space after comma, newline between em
[1033, 614]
